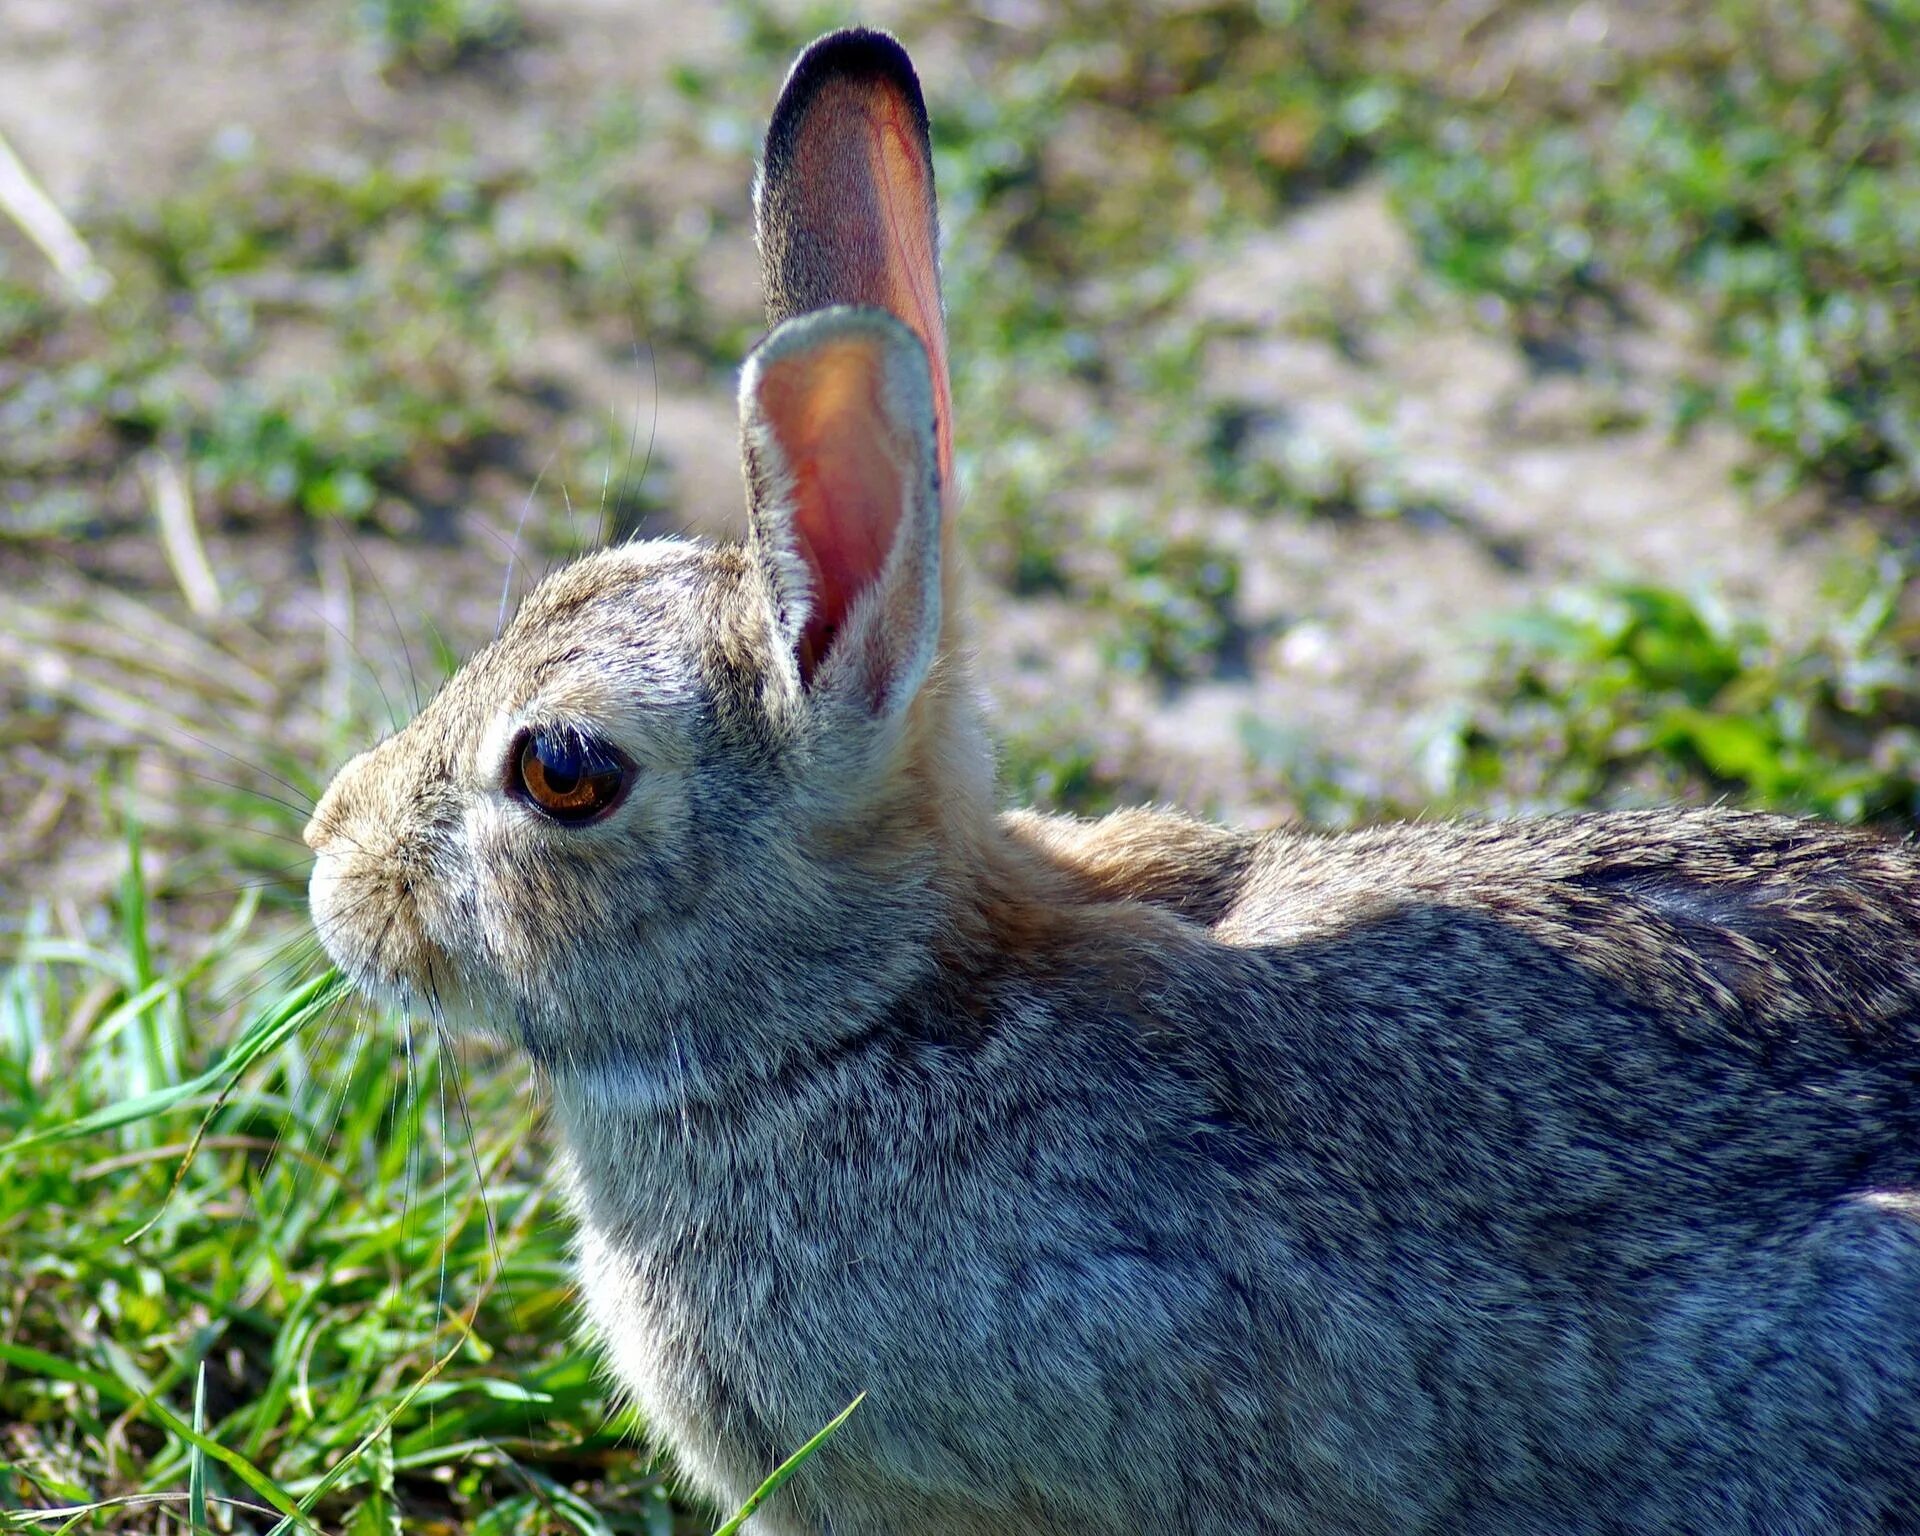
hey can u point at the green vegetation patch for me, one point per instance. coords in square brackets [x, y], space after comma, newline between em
[1764, 165]
[343, 1271]
[435, 35]
[1637, 694]
[316, 1269]
[346, 338]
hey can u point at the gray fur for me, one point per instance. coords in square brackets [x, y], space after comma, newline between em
[1560, 1177]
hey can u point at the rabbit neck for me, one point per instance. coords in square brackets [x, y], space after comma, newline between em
[806, 938]
[917, 950]
[901, 921]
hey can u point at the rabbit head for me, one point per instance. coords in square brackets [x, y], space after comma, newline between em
[691, 794]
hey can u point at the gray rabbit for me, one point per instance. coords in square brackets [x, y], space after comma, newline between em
[1560, 1177]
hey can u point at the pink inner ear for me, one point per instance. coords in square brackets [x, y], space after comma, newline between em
[849, 470]
[865, 197]
[912, 287]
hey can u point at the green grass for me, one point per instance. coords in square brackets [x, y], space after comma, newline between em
[1639, 694]
[1764, 166]
[305, 1267]
[332, 339]
[1759, 165]
[347, 1239]
[431, 36]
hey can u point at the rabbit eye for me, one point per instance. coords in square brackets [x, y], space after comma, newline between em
[570, 777]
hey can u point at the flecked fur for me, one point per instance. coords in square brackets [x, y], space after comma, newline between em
[1556, 1177]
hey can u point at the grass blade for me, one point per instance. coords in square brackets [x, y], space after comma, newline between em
[197, 1457]
[285, 1019]
[56, 1369]
[787, 1468]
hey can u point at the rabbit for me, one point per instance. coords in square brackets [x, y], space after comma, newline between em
[1558, 1176]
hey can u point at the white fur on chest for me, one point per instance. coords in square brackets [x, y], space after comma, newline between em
[743, 1304]
[655, 1344]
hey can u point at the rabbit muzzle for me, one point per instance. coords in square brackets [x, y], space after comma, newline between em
[380, 884]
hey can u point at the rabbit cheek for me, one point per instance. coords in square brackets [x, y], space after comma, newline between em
[544, 895]
[529, 904]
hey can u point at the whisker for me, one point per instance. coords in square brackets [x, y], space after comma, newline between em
[617, 488]
[441, 1068]
[446, 1182]
[249, 829]
[303, 812]
[480, 1179]
[170, 887]
[355, 1046]
[198, 1140]
[292, 961]
[440, 645]
[406, 1036]
[633, 435]
[513, 549]
[306, 796]
[293, 956]
[386, 703]
[325, 1026]
[653, 426]
[412, 1130]
[400, 634]
[573, 536]
[268, 882]
[276, 869]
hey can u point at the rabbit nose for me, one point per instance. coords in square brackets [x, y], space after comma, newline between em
[323, 825]
[319, 828]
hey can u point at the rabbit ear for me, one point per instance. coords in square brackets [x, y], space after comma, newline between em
[844, 207]
[837, 413]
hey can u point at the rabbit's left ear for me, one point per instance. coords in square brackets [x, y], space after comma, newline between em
[837, 413]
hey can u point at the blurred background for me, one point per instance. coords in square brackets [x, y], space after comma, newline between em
[1365, 408]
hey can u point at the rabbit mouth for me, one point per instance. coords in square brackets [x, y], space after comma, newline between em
[371, 923]
[371, 928]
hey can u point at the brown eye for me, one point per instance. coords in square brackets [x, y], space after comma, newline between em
[570, 777]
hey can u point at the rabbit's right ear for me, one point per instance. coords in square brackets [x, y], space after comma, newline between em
[837, 418]
[844, 208]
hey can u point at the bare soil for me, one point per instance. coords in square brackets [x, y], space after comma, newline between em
[1517, 473]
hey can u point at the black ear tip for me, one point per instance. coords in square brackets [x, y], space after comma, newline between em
[854, 54]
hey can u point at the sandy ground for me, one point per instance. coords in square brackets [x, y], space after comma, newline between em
[1356, 630]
